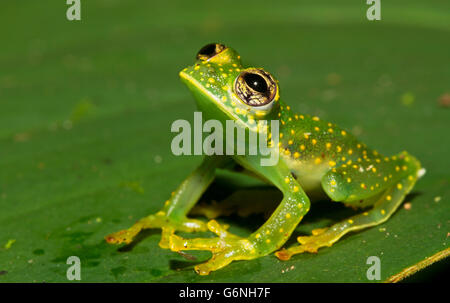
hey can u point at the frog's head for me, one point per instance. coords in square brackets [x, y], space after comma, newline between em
[226, 90]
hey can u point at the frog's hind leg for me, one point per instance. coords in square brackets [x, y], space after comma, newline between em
[173, 215]
[395, 177]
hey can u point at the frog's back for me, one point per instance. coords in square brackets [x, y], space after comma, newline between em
[311, 147]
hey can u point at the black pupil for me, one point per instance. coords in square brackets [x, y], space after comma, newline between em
[208, 50]
[256, 82]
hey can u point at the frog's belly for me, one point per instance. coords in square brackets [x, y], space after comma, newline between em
[309, 175]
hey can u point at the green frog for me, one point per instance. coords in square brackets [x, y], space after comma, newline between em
[313, 156]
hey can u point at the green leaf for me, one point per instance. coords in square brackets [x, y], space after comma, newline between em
[86, 108]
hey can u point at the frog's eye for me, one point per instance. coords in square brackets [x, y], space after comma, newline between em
[210, 50]
[255, 87]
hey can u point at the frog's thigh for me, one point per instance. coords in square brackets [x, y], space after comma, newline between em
[395, 178]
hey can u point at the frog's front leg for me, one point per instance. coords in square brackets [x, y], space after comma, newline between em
[269, 237]
[384, 186]
[173, 216]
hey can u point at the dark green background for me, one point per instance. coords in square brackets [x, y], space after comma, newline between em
[86, 108]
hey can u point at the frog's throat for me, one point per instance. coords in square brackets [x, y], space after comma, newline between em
[192, 81]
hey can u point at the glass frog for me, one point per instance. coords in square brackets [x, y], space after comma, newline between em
[314, 155]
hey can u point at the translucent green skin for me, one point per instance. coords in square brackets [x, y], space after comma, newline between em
[316, 156]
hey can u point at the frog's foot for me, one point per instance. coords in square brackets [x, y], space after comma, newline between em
[309, 244]
[158, 220]
[225, 248]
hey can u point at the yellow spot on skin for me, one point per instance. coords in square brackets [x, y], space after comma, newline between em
[318, 160]
[286, 180]
[389, 198]
[292, 132]
[316, 129]
[377, 160]
[328, 145]
[287, 152]
[314, 141]
[374, 169]
[302, 147]
[333, 182]
[167, 203]
[350, 221]
[224, 98]
[365, 213]
[404, 167]
[339, 149]
[397, 168]
[332, 163]
[296, 117]
[363, 186]
[349, 180]
[358, 145]
[372, 188]
[268, 241]
[281, 230]
[160, 213]
[330, 130]
[350, 151]
[267, 232]
[306, 136]
[258, 236]
[332, 190]
[225, 88]
[224, 75]
[399, 186]
[299, 205]
[343, 159]
[302, 117]
[343, 133]
[316, 118]
[410, 178]
[281, 135]
[385, 179]
[288, 107]
[296, 189]
[211, 80]
[290, 142]
[383, 211]
[288, 215]
[296, 155]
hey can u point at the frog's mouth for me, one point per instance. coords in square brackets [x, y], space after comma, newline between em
[200, 92]
[194, 85]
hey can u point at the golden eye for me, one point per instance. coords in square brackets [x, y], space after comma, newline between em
[210, 50]
[255, 87]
